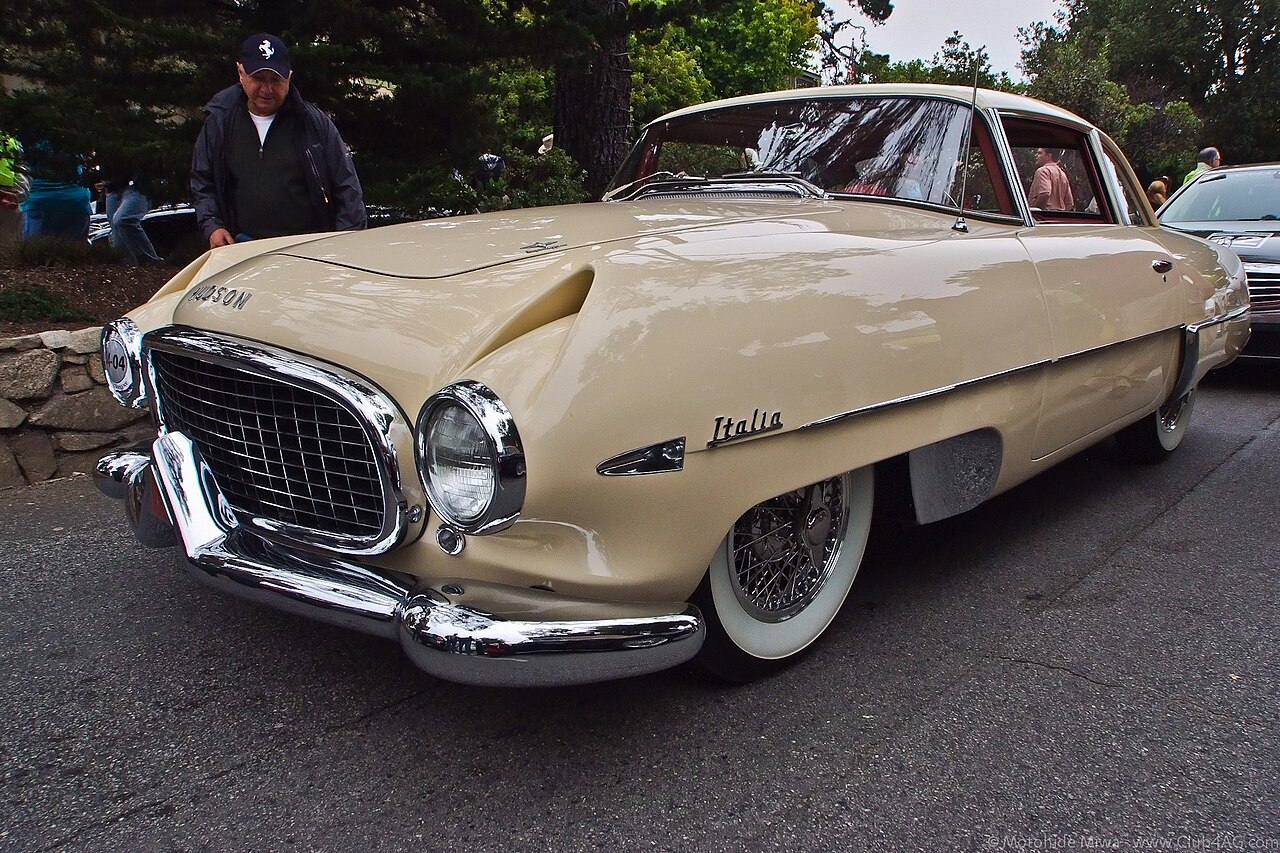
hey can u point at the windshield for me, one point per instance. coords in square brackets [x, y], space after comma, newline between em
[898, 147]
[1235, 196]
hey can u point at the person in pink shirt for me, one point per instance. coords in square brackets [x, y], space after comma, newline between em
[1050, 189]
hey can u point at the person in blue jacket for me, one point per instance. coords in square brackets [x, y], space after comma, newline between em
[268, 163]
[57, 204]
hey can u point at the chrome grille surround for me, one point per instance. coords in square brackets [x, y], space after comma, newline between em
[1264, 285]
[301, 452]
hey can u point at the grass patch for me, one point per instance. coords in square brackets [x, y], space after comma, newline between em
[54, 252]
[29, 303]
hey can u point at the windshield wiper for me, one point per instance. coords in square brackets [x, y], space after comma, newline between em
[630, 189]
[779, 175]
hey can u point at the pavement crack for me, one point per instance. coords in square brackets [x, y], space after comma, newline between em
[1129, 688]
[1056, 668]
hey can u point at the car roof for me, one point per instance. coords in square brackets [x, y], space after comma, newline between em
[984, 98]
[1238, 167]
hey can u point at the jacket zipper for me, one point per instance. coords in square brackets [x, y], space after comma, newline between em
[324, 193]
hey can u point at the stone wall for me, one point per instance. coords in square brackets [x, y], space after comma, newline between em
[57, 415]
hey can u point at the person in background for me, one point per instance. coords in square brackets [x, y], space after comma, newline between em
[1209, 158]
[1157, 193]
[126, 205]
[57, 204]
[1050, 188]
[268, 163]
[13, 188]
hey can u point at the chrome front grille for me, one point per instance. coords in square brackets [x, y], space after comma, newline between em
[1264, 286]
[279, 452]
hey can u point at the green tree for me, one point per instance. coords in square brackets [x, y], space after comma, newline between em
[1216, 60]
[956, 63]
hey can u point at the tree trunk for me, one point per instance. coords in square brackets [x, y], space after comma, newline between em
[593, 100]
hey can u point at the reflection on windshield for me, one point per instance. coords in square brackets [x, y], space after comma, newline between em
[904, 148]
[1228, 197]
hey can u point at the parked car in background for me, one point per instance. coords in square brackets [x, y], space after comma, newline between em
[577, 443]
[1239, 207]
[172, 229]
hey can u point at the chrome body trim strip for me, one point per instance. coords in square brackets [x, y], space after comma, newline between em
[657, 458]
[504, 445]
[375, 412]
[923, 395]
[486, 636]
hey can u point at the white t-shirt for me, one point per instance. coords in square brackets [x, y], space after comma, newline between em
[263, 123]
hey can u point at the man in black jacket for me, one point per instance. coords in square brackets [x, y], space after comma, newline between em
[267, 163]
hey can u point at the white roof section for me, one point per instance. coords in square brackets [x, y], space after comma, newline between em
[986, 99]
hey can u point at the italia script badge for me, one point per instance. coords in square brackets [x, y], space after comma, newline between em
[231, 297]
[728, 428]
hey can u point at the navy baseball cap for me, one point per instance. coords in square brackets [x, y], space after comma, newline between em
[263, 50]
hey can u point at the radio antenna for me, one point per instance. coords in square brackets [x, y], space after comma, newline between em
[961, 225]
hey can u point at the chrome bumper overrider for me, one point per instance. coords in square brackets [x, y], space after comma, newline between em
[461, 630]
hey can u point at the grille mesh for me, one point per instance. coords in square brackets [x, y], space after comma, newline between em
[277, 451]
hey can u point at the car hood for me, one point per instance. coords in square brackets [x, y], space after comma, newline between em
[607, 289]
[1256, 241]
[445, 247]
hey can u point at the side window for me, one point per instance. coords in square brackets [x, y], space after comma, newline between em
[1119, 177]
[1057, 172]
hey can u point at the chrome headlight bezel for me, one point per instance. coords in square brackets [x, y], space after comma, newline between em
[506, 456]
[122, 363]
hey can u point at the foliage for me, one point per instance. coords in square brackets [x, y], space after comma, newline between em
[753, 45]
[665, 74]
[28, 303]
[1180, 75]
[957, 63]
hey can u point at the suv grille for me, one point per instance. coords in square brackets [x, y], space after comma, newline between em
[278, 451]
[1264, 286]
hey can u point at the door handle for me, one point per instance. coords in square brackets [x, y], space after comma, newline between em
[1162, 265]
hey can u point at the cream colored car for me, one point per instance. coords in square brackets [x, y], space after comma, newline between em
[578, 443]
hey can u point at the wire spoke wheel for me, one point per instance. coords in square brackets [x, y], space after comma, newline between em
[782, 573]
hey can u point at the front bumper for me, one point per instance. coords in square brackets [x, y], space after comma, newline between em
[460, 630]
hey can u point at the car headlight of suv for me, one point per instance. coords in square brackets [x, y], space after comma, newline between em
[470, 458]
[122, 362]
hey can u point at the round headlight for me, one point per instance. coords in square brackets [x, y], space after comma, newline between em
[122, 362]
[470, 458]
[459, 463]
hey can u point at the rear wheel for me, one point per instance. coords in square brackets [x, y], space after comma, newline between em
[1155, 437]
[782, 573]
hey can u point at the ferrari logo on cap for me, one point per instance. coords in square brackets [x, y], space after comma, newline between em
[267, 50]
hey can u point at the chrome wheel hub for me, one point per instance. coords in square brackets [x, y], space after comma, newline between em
[782, 551]
[1170, 414]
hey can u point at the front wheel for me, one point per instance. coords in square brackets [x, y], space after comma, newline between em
[781, 574]
[1156, 436]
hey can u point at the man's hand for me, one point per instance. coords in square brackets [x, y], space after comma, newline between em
[221, 237]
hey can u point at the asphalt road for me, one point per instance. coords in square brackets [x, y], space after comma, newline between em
[1088, 662]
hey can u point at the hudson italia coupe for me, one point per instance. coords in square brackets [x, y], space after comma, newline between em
[578, 443]
[1239, 207]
